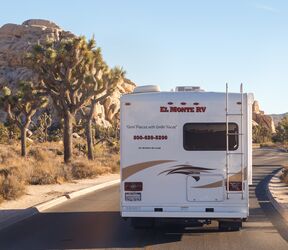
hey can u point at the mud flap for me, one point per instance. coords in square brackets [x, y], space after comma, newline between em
[230, 225]
[142, 223]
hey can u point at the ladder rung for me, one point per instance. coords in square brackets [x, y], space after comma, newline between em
[234, 114]
[234, 192]
[234, 134]
[234, 173]
[228, 153]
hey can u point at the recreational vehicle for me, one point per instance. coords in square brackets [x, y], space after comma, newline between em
[186, 154]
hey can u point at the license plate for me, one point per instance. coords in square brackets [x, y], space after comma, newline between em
[132, 196]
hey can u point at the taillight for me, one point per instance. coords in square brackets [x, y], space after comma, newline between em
[133, 186]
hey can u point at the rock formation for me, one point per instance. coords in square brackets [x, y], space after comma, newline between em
[259, 118]
[16, 40]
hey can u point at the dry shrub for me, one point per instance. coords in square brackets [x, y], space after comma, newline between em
[86, 169]
[46, 173]
[64, 173]
[39, 154]
[11, 187]
[99, 150]
[43, 165]
[284, 176]
[8, 154]
[109, 161]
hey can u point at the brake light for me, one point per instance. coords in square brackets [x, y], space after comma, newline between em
[133, 186]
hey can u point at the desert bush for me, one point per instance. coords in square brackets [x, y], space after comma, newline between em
[43, 166]
[11, 187]
[6, 156]
[13, 130]
[268, 145]
[4, 133]
[48, 172]
[115, 167]
[115, 149]
[86, 169]
[284, 176]
[261, 134]
[109, 132]
[55, 134]
[282, 130]
[39, 154]
[100, 150]
[42, 176]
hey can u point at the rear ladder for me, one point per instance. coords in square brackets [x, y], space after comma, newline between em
[228, 153]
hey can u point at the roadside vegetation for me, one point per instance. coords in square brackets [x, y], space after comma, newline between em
[278, 140]
[264, 137]
[284, 175]
[44, 164]
[50, 134]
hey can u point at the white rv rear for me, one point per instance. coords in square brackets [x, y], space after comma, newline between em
[186, 154]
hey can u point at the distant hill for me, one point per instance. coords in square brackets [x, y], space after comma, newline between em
[277, 117]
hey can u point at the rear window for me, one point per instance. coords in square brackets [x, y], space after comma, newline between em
[209, 136]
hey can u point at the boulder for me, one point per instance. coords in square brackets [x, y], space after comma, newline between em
[259, 118]
[16, 40]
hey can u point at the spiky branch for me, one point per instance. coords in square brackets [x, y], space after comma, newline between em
[22, 106]
[70, 72]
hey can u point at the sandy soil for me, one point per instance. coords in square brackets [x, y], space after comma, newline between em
[36, 194]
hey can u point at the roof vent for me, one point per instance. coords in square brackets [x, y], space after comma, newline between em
[147, 88]
[188, 88]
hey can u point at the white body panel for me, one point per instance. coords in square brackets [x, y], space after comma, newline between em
[152, 152]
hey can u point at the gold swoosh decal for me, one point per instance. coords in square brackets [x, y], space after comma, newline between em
[212, 185]
[235, 177]
[133, 169]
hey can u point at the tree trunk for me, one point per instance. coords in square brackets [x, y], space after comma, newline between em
[88, 129]
[46, 133]
[89, 139]
[68, 128]
[23, 141]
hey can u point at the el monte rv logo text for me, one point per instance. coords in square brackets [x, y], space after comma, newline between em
[175, 109]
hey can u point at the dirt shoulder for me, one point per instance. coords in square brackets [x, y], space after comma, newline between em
[42, 175]
[36, 194]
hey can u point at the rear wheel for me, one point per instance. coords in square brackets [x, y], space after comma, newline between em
[142, 223]
[230, 225]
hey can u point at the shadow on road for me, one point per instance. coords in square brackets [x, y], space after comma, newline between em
[80, 230]
[266, 205]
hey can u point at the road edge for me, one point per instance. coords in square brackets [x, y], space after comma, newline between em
[36, 209]
[278, 206]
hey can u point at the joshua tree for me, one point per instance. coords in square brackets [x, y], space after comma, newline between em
[44, 121]
[21, 107]
[70, 71]
[108, 83]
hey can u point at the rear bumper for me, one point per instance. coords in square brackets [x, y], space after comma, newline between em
[196, 215]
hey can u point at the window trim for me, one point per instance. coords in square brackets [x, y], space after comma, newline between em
[210, 149]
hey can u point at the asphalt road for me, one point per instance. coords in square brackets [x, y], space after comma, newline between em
[93, 221]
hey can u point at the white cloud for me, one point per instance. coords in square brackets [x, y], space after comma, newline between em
[267, 8]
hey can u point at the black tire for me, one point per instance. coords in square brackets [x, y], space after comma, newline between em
[142, 223]
[230, 225]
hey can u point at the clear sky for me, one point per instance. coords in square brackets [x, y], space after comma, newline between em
[170, 43]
